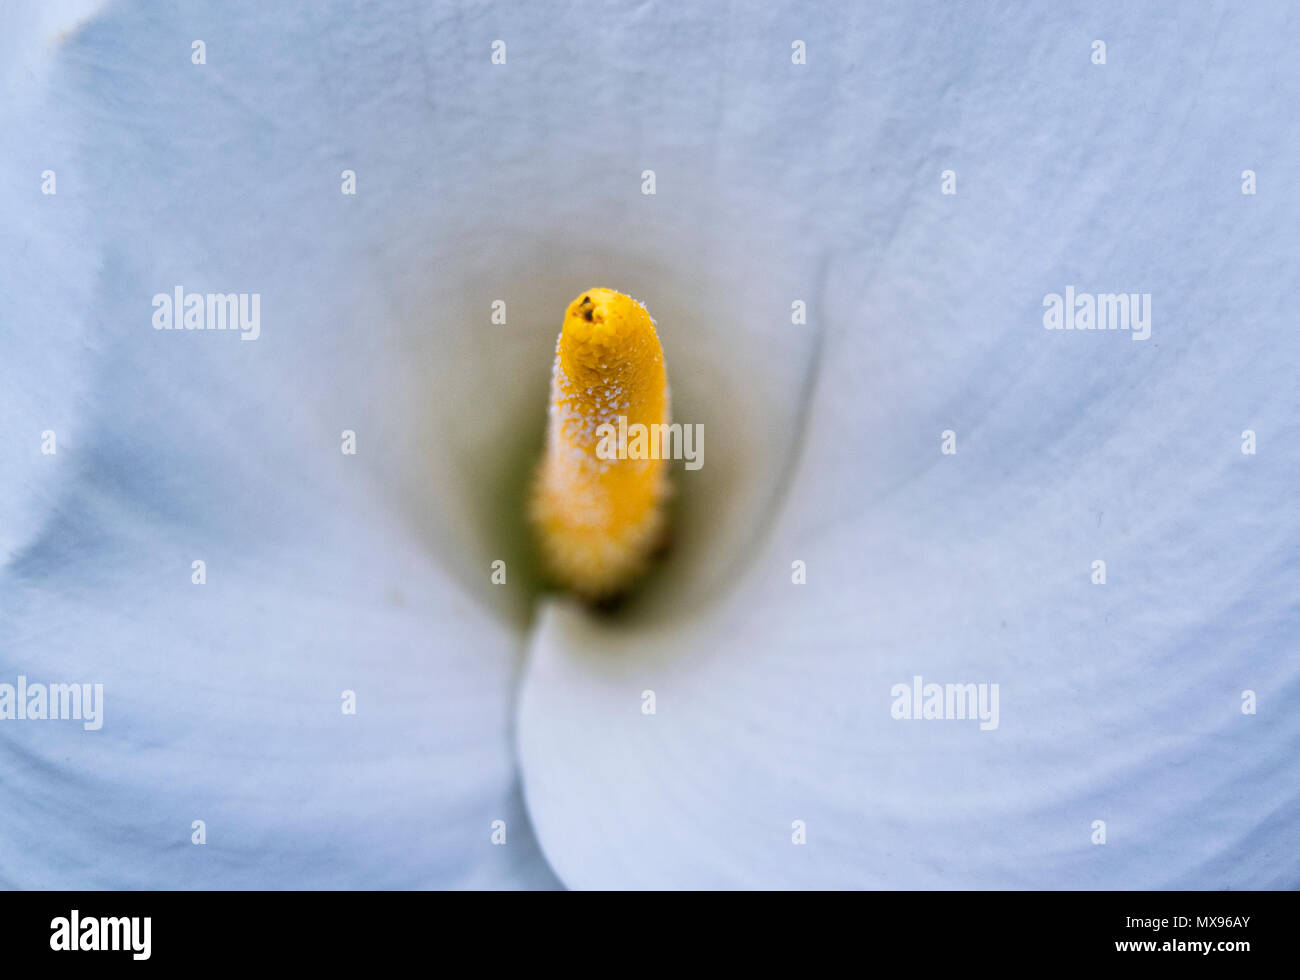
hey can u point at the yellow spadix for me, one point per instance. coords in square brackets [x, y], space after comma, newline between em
[599, 519]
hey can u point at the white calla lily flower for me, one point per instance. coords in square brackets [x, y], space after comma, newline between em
[909, 481]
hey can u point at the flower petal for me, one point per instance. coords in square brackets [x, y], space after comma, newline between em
[1121, 703]
[377, 308]
[224, 701]
[229, 702]
[43, 372]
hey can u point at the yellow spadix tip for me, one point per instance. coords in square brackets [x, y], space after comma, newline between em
[598, 516]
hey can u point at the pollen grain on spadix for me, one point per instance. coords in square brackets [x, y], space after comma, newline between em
[599, 514]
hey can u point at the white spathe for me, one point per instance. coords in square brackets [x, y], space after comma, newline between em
[775, 182]
[325, 572]
[1119, 703]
